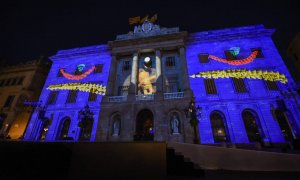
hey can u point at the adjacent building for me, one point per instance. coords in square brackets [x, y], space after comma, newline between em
[139, 87]
[19, 83]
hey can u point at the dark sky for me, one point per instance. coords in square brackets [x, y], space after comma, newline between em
[30, 29]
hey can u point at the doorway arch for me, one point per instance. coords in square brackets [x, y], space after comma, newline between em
[144, 126]
[63, 128]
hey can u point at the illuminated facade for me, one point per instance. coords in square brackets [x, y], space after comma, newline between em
[19, 83]
[149, 76]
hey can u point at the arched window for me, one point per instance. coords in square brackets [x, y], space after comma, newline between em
[116, 125]
[63, 129]
[219, 127]
[175, 123]
[252, 126]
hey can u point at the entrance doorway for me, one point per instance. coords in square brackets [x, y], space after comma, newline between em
[144, 126]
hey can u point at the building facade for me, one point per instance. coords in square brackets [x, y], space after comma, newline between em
[148, 77]
[19, 83]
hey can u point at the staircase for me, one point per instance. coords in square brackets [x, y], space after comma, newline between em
[179, 166]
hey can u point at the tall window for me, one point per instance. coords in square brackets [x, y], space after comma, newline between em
[99, 68]
[9, 101]
[239, 85]
[72, 95]
[252, 126]
[52, 97]
[14, 81]
[126, 66]
[230, 55]
[219, 127]
[170, 61]
[271, 85]
[203, 58]
[210, 86]
[259, 54]
[92, 96]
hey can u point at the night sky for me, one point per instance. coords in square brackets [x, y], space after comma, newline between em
[30, 29]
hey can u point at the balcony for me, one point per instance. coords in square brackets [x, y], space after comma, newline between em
[175, 95]
[117, 98]
[145, 97]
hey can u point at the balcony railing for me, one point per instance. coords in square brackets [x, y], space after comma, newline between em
[117, 98]
[145, 97]
[175, 95]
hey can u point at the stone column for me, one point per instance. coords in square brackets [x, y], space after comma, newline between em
[185, 77]
[159, 76]
[133, 81]
[112, 77]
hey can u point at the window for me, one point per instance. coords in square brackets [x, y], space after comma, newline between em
[259, 54]
[271, 85]
[14, 81]
[99, 68]
[126, 66]
[92, 96]
[203, 58]
[170, 61]
[59, 74]
[219, 127]
[20, 82]
[7, 83]
[230, 55]
[52, 97]
[210, 86]
[252, 126]
[123, 90]
[9, 101]
[239, 85]
[72, 95]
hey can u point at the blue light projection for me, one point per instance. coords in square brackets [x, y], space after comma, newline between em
[59, 110]
[258, 98]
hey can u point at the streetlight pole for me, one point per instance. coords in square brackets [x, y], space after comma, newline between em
[193, 113]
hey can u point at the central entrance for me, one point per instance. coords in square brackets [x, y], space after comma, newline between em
[144, 126]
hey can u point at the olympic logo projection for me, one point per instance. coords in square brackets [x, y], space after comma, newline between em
[80, 69]
[86, 87]
[241, 74]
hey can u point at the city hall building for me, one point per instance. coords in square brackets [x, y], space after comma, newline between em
[139, 87]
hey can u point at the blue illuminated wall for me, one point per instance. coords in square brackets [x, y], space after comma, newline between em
[231, 104]
[69, 59]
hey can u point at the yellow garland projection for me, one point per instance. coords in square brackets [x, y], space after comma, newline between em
[86, 87]
[243, 73]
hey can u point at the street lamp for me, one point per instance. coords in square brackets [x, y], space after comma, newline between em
[193, 113]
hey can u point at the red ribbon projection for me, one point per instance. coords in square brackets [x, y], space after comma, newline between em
[237, 62]
[77, 77]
